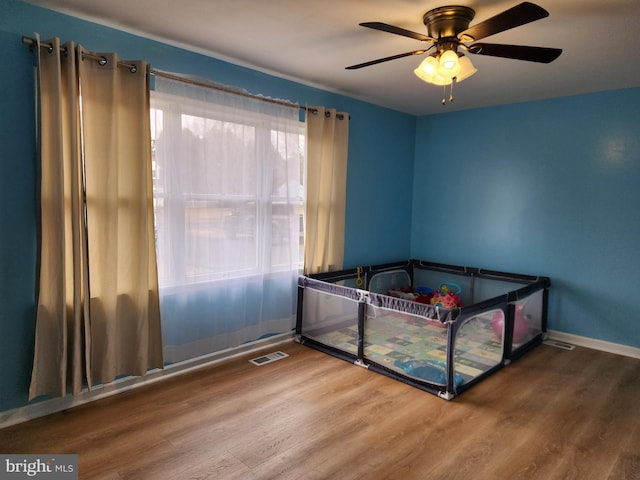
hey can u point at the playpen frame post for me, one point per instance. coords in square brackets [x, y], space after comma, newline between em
[545, 306]
[299, 308]
[508, 330]
[361, 314]
[452, 331]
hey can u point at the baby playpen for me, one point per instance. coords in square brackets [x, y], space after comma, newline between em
[440, 328]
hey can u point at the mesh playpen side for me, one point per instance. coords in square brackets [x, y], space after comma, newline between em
[382, 317]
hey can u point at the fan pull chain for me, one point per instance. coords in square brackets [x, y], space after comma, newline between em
[444, 93]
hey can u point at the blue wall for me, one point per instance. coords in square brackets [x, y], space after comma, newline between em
[17, 220]
[550, 188]
[377, 136]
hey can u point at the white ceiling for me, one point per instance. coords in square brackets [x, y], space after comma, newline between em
[313, 41]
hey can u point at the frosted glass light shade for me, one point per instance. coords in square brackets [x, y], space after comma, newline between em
[449, 66]
[466, 68]
[427, 71]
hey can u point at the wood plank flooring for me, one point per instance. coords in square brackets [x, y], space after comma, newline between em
[553, 414]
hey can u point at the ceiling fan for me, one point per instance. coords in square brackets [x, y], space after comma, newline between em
[449, 33]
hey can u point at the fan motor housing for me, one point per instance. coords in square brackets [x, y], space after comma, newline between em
[447, 22]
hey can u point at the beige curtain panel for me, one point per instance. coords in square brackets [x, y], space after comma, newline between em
[98, 312]
[327, 146]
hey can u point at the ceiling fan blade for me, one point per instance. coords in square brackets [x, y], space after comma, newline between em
[385, 59]
[521, 14]
[517, 52]
[385, 27]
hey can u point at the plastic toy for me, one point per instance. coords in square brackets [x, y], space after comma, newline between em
[446, 297]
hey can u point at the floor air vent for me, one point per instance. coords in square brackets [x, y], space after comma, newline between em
[271, 357]
[555, 343]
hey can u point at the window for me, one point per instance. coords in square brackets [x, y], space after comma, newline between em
[228, 190]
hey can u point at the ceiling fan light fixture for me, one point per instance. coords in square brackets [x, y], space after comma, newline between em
[449, 30]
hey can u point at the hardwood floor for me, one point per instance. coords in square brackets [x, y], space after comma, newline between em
[553, 414]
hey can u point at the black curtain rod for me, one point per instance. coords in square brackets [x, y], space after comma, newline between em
[32, 42]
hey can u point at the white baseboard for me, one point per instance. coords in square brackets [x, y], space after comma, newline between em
[601, 345]
[46, 407]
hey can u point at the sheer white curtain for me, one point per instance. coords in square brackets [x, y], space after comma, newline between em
[98, 310]
[228, 203]
[328, 144]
